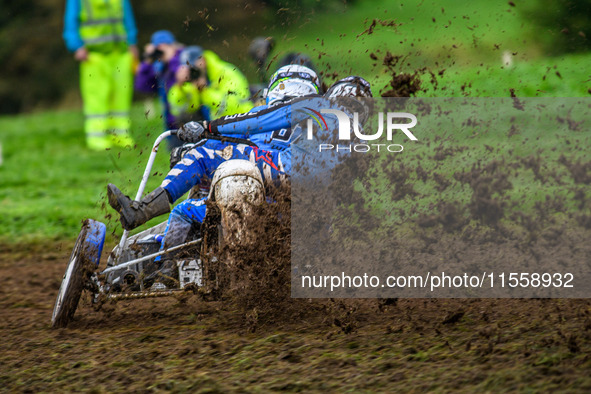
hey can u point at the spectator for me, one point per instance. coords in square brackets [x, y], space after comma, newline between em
[207, 87]
[157, 74]
[102, 35]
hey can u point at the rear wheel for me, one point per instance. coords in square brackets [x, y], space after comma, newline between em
[84, 258]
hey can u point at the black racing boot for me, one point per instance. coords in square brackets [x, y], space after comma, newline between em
[136, 213]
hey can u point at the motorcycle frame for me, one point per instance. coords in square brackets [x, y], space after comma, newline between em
[138, 196]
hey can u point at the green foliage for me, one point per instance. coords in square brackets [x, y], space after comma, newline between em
[563, 25]
[35, 65]
[38, 71]
[306, 5]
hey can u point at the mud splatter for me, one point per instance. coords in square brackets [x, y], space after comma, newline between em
[375, 23]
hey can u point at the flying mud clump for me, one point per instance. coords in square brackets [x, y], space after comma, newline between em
[401, 84]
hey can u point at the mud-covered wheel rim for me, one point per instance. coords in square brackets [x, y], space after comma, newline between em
[84, 257]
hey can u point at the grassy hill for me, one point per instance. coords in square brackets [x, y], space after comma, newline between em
[49, 181]
[477, 48]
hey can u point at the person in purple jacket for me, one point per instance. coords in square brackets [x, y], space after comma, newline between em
[157, 74]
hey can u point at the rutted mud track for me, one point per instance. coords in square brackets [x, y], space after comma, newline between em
[186, 344]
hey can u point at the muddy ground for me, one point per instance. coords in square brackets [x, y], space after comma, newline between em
[186, 344]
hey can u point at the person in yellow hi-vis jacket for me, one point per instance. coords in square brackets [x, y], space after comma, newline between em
[207, 87]
[102, 34]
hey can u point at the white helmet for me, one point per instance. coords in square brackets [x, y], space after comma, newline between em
[352, 92]
[291, 81]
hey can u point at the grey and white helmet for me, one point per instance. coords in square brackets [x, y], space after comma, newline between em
[291, 81]
[354, 93]
[352, 86]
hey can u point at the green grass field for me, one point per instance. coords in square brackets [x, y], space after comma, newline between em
[468, 42]
[49, 181]
[529, 155]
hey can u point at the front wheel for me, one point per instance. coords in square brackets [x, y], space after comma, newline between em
[84, 258]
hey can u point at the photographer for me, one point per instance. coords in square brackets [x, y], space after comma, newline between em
[157, 73]
[207, 87]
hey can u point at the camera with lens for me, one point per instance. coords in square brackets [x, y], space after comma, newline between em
[155, 55]
[195, 74]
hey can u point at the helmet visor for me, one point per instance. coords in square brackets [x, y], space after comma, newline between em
[279, 77]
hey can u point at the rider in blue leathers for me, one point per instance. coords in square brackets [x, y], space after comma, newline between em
[269, 127]
[200, 163]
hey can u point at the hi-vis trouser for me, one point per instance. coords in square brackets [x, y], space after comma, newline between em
[106, 83]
